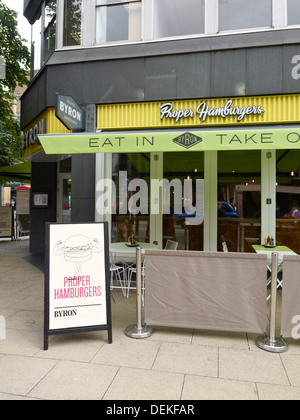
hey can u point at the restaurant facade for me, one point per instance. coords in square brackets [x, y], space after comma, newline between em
[202, 95]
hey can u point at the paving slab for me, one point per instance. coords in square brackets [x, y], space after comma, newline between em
[267, 392]
[143, 384]
[19, 375]
[201, 388]
[74, 381]
[128, 352]
[172, 364]
[187, 359]
[74, 347]
[247, 365]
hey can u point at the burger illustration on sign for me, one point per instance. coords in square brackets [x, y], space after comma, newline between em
[77, 249]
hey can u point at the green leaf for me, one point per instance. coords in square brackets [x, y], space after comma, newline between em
[17, 59]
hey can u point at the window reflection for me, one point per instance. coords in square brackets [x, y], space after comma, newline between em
[181, 225]
[293, 12]
[36, 48]
[72, 22]
[178, 17]
[288, 199]
[243, 14]
[129, 217]
[49, 29]
[239, 200]
[67, 194]
[117, 21]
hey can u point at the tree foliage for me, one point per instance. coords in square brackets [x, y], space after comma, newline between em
[17, 61]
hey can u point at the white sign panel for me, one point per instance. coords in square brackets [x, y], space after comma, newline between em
[5, 221]
[23, 202]
[77, 276]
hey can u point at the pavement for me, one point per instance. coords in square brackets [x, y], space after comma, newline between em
[171, 365]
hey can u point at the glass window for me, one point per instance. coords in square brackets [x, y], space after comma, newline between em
[178, 17]
[183, 199]
[49, 28]
[67, 194]
[64, 191]
[293, 12]
[72, 22]
[118, 21]
[288, 199]
[36, 47]
[243, 14]
[239, 200]
[130, 209]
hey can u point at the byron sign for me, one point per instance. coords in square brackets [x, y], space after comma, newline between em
[69, 112]
[187, 140]
[30, 137]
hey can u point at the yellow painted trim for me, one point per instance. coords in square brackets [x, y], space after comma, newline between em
[53, 126]
[279, 109]
[31, 150]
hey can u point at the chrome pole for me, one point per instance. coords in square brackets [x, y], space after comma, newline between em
[273, 299]
[139, 330]
[139, 288]
[270, 342]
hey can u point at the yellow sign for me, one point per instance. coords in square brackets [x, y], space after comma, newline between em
[46, 123]
[240, 111]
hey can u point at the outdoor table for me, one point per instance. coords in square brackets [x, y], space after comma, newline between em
[127, 255]
[281, 250]
[130, 251]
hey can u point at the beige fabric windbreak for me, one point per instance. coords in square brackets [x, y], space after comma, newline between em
[206, 290]
[290, 322]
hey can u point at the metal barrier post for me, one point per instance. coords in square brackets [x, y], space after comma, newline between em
[272, 343]
[139, 330]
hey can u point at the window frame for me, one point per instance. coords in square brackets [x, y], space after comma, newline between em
[287, 20]
[45, 29]
[192, 35]
[115, 4]
[63, 8]
[248, 29]
[211, 23]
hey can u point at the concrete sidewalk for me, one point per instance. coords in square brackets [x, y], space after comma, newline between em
[173, 364]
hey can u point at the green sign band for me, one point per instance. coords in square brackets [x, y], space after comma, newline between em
[172, 141]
